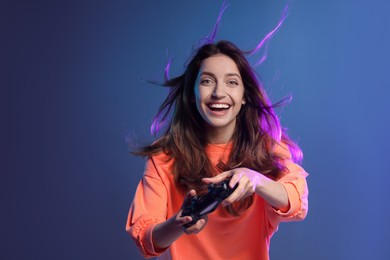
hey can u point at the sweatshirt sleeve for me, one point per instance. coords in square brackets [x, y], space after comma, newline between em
[149, 207]
[294, 181]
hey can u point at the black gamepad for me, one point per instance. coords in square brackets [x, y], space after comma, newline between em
[198, 206]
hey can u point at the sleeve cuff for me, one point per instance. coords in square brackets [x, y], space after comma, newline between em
[150, 246]
[293, 199]
[142, 233]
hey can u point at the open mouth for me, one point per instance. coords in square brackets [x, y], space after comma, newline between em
[218, 106]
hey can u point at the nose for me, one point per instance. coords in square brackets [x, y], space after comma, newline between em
[219, 91]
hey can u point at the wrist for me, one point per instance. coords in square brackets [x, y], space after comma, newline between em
[260, 184]
[165, 233]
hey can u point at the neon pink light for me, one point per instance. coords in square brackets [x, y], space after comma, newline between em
[265, 42]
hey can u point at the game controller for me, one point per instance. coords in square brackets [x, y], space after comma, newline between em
[198, 206]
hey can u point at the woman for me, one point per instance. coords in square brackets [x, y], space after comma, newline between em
[222, 127]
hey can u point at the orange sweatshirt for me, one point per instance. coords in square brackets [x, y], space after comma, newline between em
[224, 237]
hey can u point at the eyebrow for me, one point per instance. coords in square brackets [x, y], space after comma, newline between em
[227, 75]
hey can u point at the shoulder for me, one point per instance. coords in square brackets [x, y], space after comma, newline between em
[284, 154]
[158, 165]
[282, 151]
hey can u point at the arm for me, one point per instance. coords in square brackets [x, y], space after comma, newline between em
[274, 193]
[253, 182]
[288, 195]
[147, 221]
[147, 210]
[167, 232]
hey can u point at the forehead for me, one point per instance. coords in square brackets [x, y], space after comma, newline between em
[219, 64]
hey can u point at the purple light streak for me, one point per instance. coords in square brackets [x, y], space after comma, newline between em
[264, 44]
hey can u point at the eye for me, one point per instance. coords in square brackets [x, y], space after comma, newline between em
[206, 81]
[232, 82]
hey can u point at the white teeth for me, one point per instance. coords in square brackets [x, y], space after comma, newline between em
[219, 106]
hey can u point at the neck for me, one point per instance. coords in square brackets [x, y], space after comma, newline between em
[219, 135]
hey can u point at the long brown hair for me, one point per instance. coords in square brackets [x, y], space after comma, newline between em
[257, 130]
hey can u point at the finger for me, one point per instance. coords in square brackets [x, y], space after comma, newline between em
[236, 177]
[197, 227]
[236, 195]
[182, 220]
[204, 219]
[185, 220]
[191, 193]
[191, 229]
[229, 200]
[202, 223]
[188, 197]
[220, 177]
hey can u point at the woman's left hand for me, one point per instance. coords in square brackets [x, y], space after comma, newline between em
[247, 179]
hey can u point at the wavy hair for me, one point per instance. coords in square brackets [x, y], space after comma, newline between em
[256, 134]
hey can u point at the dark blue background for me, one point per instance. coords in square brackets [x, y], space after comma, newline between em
[72, 91]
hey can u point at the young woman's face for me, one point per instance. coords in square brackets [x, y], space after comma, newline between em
[219, 95]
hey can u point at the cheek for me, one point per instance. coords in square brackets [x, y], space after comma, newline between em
[242, 95]
[199, 95]
[197, 99]
[199, 91]
[238, 96]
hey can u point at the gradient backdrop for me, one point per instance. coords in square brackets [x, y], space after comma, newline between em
[73, 89]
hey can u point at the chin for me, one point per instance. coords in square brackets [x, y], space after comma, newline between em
[220, 125]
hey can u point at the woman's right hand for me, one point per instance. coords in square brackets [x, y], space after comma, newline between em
[198, 226]
[167, 232]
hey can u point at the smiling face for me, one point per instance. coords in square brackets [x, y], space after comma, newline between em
[219, 95]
